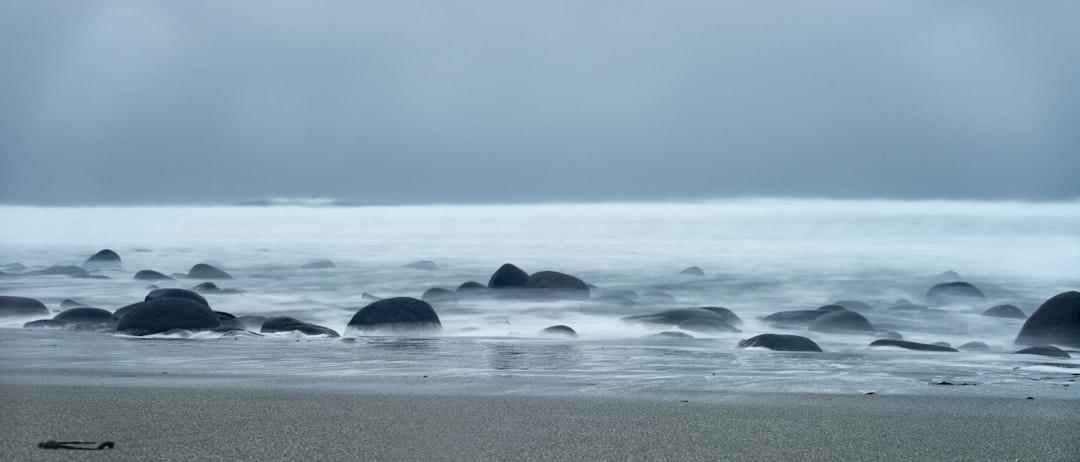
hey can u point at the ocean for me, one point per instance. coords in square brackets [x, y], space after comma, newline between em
[758, 256]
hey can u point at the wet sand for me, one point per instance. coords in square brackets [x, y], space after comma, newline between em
[156, 422]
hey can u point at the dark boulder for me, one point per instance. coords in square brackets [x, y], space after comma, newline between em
[400, 314]
[104, 259]
[287, 324]
[910, 345]
[672, 335]
[508, 276]
[150, 275]
[426, 265]
[204, 271]
[206, 288]
[693, 271]
[676, 316]
[176, 293]
[471, 287]
[707, 326]
[1045, 350]
[69, 303]
[557, 283]
[780, 342]
[165, 314]
[318, 264]
[798, 319]
[953, 292]
[842, 322]
[85, 315]
[21, 306]
[727, 315]
[438, 294]
[559, 330]
[1056, 321]
[1005, 311]
[974, 346]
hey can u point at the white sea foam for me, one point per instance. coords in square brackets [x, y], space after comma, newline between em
[759, 255]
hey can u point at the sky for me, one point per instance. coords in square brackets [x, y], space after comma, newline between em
[210, 101]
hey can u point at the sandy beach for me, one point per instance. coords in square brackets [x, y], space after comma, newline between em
[155, 422]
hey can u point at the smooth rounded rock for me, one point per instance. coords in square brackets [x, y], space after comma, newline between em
[150, 275]
[781, 342]
[842, 322]
[471, 287]
[176, 293]
[561, 284]
[165, 314]
[974, 346]
[910, 345]
[797, 319]
[676, 316]
[426, 265]
[693, 271]
[204, 271]
[953, 292]
[1005, 311]
[1056, 321]
[21, 306]
[560, 330]
[287, 324]
[508, 276]
[85, 315]
[206, 288]
[398, 314]
[1045, 350]
[104, 259]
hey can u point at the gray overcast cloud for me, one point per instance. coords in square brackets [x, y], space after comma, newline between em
[149, 101]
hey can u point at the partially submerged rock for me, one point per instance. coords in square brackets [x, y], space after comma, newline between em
[176, 293]
[693, 271]
[1045, 350]
[508, 276]
[426, 265]
[21, 306]
[165, 314]
[398, 315]
[842, 322]
[780, 342]
[287, 324]
[953, 292]
[104, 259]
[560, 330]
[205, 271]
[150, 275]
[910, 345]
[1056, 321]
[1005, 311]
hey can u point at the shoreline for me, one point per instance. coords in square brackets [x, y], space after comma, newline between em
[155, 422]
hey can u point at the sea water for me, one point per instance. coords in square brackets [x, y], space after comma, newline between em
[759, 256]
